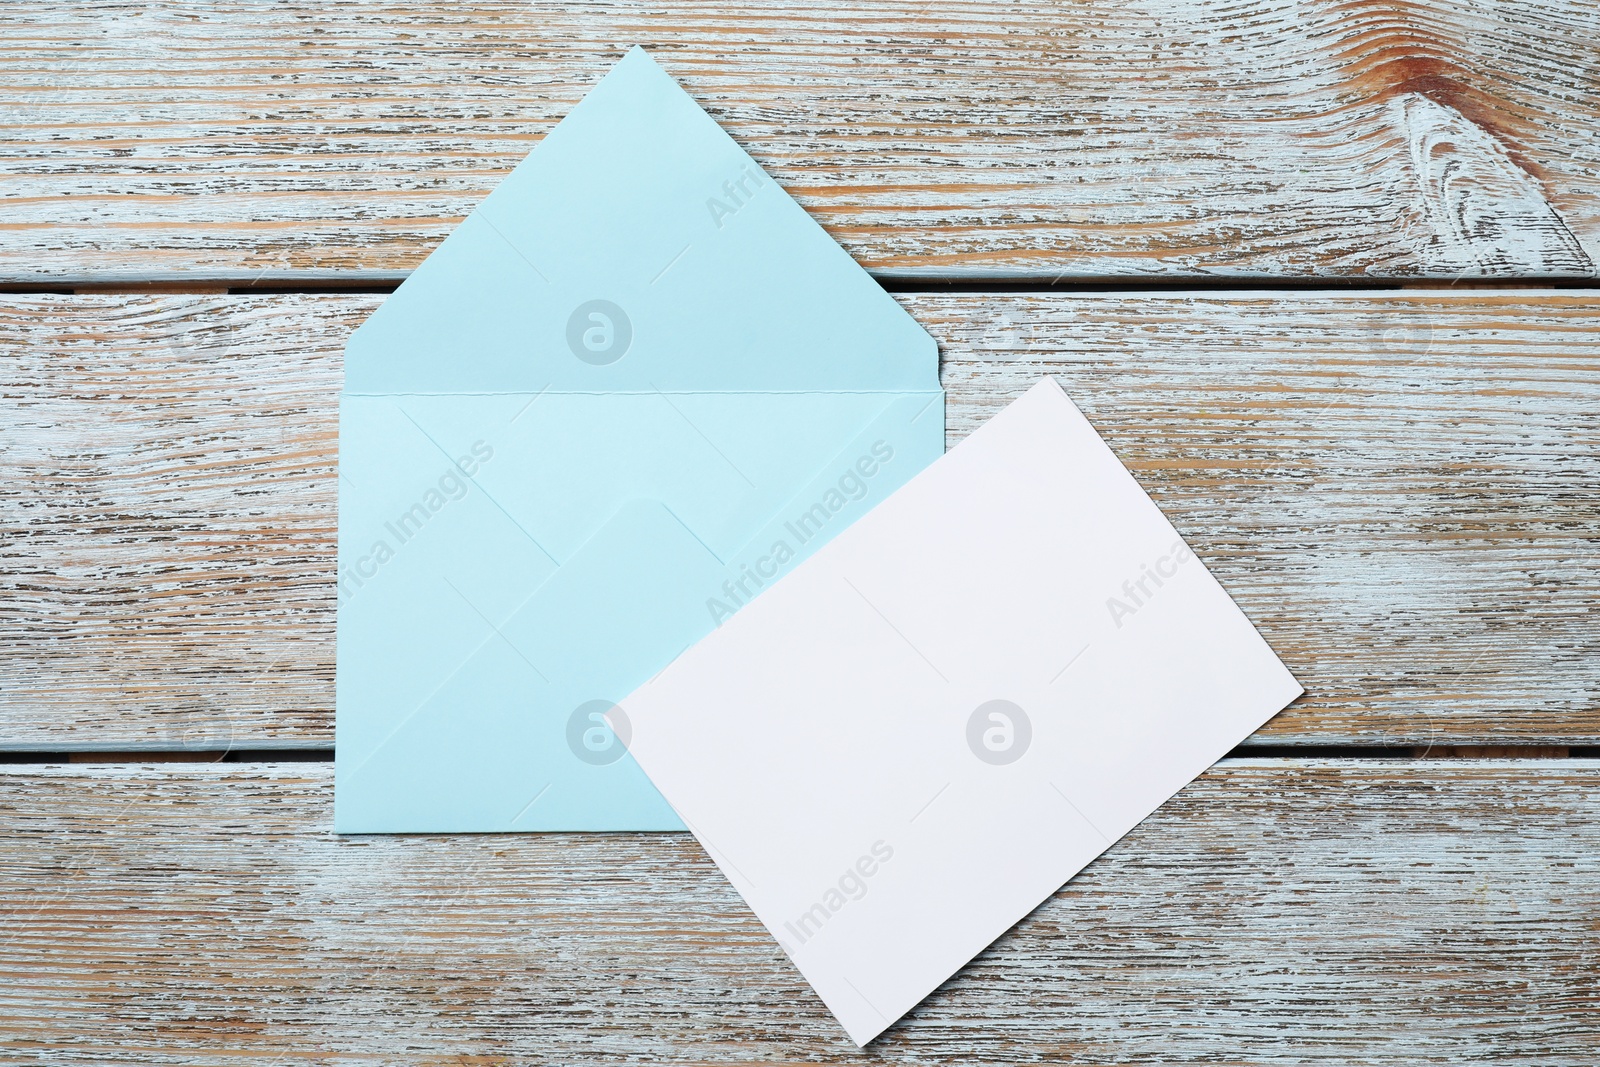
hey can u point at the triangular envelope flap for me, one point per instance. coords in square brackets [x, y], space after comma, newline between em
[639, 248]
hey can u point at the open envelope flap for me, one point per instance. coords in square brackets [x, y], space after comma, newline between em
[639, 248]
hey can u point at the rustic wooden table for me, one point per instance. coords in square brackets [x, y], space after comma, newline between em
[1322, 272]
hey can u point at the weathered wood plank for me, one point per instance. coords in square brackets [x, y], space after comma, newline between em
[1275, 911]
[169, 510]
[1332, 138]
[1402, 490]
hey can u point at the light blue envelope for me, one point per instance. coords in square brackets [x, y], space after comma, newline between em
[634, 387]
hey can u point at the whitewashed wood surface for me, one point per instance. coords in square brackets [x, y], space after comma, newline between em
[1275, 912]
[290, 140]
[1401, 488]
[1402, 491]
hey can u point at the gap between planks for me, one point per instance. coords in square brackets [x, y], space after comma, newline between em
[356, 282]
[293, 754]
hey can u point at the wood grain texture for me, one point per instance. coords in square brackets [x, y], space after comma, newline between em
[275, 141]
[1401, 490]
[167, 555]
[1375, 912]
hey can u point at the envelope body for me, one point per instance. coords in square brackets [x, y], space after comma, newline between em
[636, 386]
